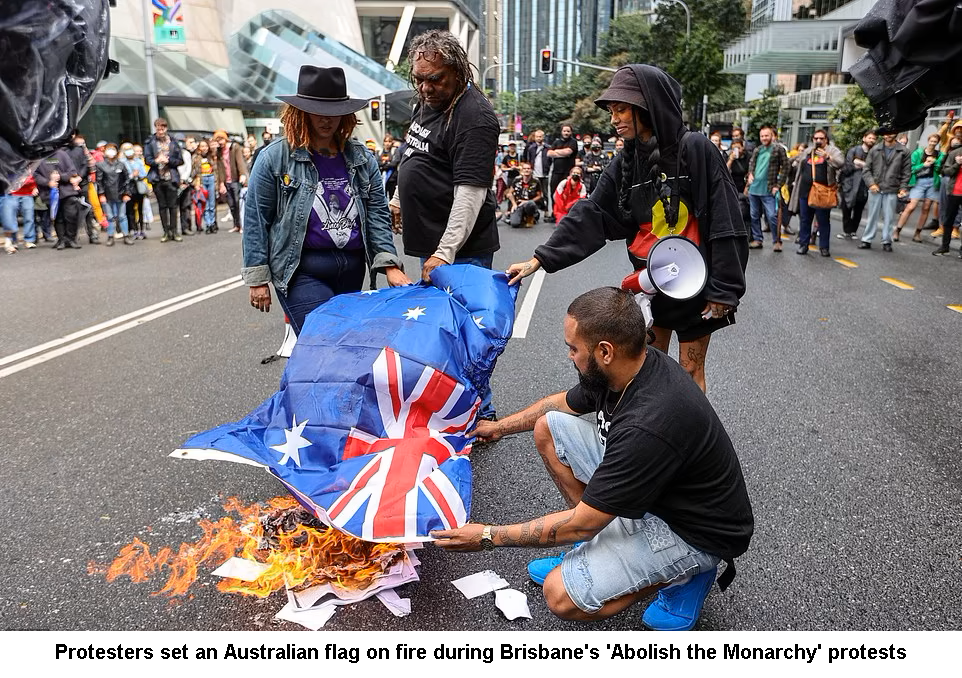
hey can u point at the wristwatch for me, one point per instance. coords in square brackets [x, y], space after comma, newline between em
[487, 543]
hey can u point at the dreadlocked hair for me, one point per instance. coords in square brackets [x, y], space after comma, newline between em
[635, 169]
[297, 128]
[447, 48]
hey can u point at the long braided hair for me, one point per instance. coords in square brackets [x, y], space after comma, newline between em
[637, 166]
[446, 47]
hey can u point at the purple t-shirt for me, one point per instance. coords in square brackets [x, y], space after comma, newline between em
[335, 221]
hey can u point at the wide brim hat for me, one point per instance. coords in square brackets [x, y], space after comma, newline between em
[624, 88]
[323, 91]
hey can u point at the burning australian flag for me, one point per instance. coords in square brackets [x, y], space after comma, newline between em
[368, 427]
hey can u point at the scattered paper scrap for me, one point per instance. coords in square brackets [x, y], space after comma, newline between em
[479, 583]
[314, 618]
[512, 603]
[399, 607]
[241, 568]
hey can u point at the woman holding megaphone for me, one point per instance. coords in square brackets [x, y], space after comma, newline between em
[668, 181]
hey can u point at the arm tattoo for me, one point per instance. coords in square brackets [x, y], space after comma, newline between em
[532, 533]
[529, 420]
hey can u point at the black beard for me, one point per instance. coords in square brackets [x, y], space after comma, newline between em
[592, 379]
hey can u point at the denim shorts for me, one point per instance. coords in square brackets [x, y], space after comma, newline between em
[628, 555]
[924, 189]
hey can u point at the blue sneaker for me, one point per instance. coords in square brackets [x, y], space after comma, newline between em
[538, 569]
[677, 607]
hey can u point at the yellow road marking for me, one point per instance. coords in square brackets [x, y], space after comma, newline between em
[847, 263]
[898, 283]
[955, 307]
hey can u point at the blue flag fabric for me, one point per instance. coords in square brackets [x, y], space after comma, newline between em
[368, 427]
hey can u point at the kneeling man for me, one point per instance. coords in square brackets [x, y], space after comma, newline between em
[655, 492]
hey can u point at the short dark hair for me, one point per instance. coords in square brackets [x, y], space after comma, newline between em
[768, 127]
[612, 315]
[827, 138]
[161, 121]
[739, 130]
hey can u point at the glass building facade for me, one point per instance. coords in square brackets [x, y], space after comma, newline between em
[573, 29]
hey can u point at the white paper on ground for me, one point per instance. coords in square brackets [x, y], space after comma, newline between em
[399, 607]
[512, 603]
[241, 568]
[479, 583]
[313, 619]
[400, 573]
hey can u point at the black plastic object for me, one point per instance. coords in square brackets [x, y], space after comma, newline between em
[912, 61]
[53, 55]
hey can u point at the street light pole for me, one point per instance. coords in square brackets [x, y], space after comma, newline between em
[687, 18]
[484, 74]
[153, 111]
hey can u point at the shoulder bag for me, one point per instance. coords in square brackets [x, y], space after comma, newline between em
[822, 196]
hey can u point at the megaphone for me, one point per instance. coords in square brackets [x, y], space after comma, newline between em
[675, 268]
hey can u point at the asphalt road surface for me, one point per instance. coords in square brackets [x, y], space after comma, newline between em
[839, 390]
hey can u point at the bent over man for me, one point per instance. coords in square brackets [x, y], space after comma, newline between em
[655, 493]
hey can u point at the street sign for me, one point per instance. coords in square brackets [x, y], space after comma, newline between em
[168, 23]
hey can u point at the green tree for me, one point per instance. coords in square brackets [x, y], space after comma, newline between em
[697, 66]
[856, 116]
[765, 111]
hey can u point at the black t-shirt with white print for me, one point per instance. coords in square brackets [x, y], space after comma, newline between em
[439, 155]
[667, 453]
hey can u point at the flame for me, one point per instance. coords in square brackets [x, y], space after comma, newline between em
[300, 551]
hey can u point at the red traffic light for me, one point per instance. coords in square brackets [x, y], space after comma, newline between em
[547, 64]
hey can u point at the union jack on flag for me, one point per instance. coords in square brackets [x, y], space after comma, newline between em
[368, 429]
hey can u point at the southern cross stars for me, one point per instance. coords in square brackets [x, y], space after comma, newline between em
[414, 313]
[292, 446]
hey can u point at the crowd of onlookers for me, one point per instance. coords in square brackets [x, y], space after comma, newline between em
[775, 184]
[107, 193]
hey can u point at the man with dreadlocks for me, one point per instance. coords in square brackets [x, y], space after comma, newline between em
[667, 180]
[444, 179]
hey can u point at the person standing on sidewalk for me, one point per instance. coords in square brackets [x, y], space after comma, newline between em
[767, 173]
[19, 202]
[886, 173]
[854, 192]
[186, 185]
[818, 164]
[113, 185]
[210, 169]
[952, 180]
[235, 174]
[563, 154]
[163, 154]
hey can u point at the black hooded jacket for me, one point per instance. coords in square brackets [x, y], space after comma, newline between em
[708, 190]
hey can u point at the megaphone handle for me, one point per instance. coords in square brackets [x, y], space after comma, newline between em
[644, 301]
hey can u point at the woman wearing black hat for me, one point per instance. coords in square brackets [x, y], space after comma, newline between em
[667, 181]
[316, 215]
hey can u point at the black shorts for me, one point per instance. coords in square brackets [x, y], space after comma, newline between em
[684, 317]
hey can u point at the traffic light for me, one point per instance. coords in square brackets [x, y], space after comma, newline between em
[375, 110]
[547, 65]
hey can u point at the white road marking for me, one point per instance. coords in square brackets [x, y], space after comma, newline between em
[523, 319]
[95, 333]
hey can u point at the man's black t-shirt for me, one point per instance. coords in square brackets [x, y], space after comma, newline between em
[439, 155]
[667, 453]
[563, 165]
[525, 191]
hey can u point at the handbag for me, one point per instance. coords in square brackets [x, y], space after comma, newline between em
[822, 196]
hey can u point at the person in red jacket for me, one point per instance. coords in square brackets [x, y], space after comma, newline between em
[569, 191]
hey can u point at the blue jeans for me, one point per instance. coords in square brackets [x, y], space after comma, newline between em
[116, 217]
[320, 275]
[9, 207]
[487, 410]
[209, 182]
[770, 205]
[885, 203]
[628, 555]
[821, 216]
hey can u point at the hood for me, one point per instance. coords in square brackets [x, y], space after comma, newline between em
[958, 123]
[663, 94]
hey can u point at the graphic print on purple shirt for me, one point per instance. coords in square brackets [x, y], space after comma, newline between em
[335, 221]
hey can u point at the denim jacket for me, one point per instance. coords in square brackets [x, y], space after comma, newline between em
[280, 196]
